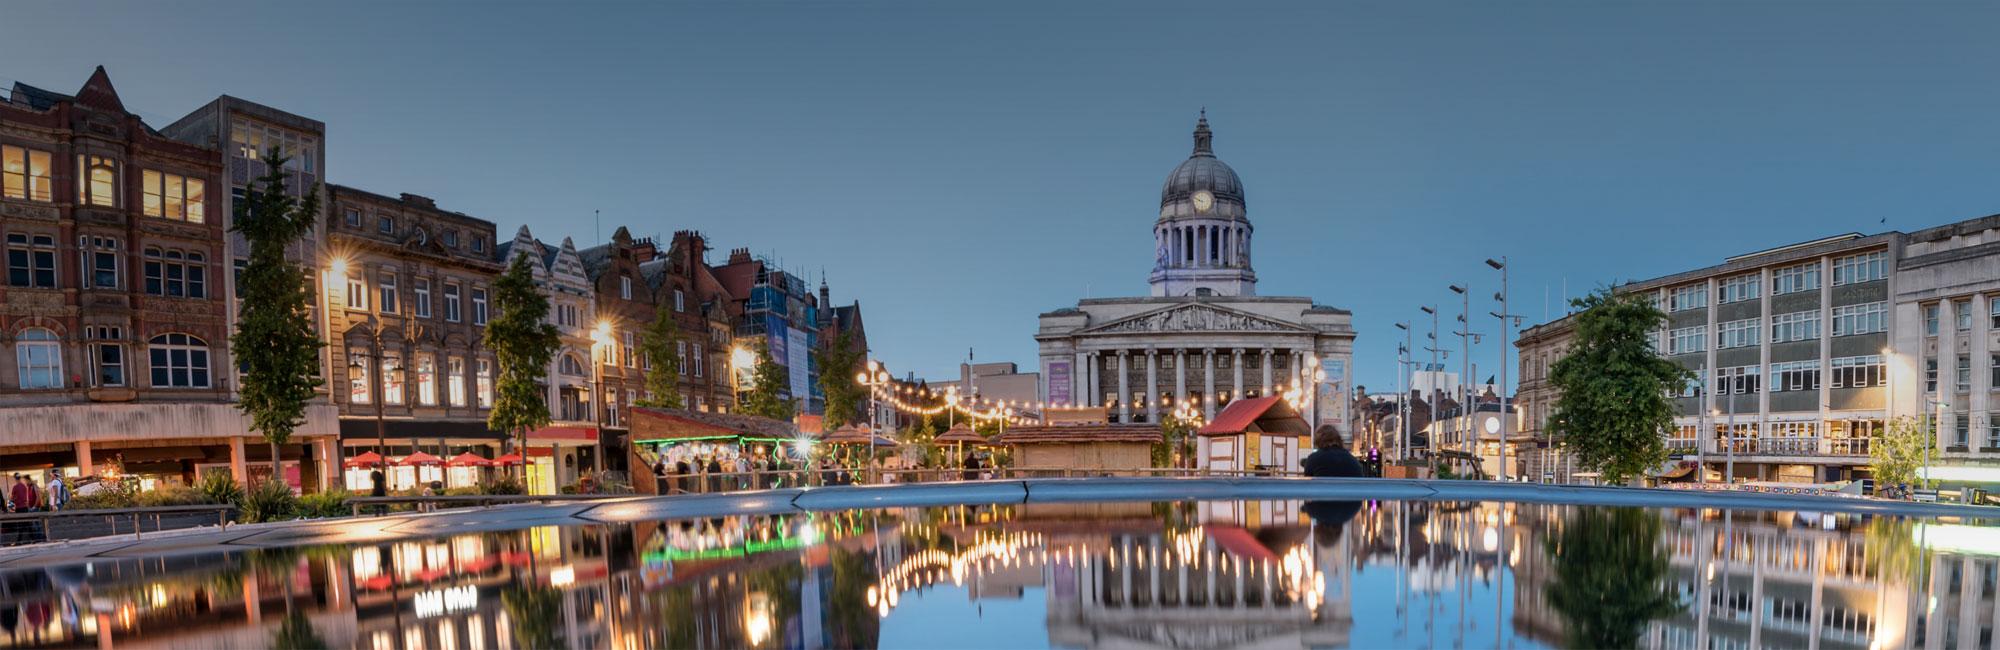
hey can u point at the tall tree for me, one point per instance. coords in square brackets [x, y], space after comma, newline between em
[1895, 457]
[523, 342]
[765, 397]
[1614, 405]
[839, 363]
[274, 343]
[659, 345]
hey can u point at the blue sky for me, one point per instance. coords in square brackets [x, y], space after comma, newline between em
[962, 167]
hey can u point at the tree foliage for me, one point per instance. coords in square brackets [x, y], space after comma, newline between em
[522, 342]
[1614, 403]
[1894, 458]
[659, 345]
[274, 343]
[1610, 577]
[1174, 434]
[766, 395]
[839, 363]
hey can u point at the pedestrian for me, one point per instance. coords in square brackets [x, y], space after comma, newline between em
[714, 474]
[1331, 458]
[23, 494]
[378, 487]
[682, 470]
[660, 485]
[58, 491]
[971, 467]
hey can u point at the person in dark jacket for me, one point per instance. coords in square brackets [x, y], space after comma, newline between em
[378, 486]
[661, 485]
[971, 467]
[714, 474]
[682, 471]
[1330, 457]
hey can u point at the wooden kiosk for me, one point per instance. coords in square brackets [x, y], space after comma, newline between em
[1261, 433]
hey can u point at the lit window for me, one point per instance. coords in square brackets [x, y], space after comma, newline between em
[454, 380]
[426, 379]
[38, 356]
[179, 361]
[31, 261]
[173, 196]
[358, 390]
[98, 184]
[25, 174]
[485, 383]
[392, 378]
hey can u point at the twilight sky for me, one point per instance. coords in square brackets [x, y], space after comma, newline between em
[962, 167]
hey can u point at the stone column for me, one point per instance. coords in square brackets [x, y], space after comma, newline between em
[1236, 390]
[1180, 374]
[1152, 385]
[1824, 399]
[1079, 377]
[1124, 390]
[1947, 388]
[84, 467]
[1982, 376]
[1094, 379]
[1267, 373]
[1208, 384]
[236, 468]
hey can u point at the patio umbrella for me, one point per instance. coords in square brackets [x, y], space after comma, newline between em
[958, 435]
[508, 459]
[420, 458]
[365, 459]
[468, 459]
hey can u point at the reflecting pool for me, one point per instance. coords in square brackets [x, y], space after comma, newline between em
[1269, 574]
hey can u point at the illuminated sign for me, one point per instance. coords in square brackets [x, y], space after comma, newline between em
[450, 600]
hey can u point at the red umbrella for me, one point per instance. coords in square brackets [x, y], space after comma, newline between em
[365, 459]
[468, 459]
[508, 459]
[420, 458]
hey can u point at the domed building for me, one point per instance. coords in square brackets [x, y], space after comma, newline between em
[1203, 336]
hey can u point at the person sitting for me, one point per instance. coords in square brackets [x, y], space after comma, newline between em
[1330, 457]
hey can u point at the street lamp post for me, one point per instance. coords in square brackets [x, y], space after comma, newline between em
[600, 338]
[1466, 406]
[873, 378]
[1506, 404]
[1403, 363]
[1430, 444]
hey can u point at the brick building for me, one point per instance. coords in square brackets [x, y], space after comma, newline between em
[114, 312]
[682, 280]
[558, 453]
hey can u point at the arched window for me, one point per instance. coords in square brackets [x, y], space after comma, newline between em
[569, 365]
[98, 184]
[178, 361]
[38, 354]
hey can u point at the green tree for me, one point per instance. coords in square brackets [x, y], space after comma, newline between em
[1174, 434]
[839, 363]
[1614, 403]
[1895, 457]
[659, 345]
[765, 397]
[274, 343]
[1610, 577]
[522, 342]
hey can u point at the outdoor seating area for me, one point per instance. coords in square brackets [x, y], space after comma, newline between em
[419, 469]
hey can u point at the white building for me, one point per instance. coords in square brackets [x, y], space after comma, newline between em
[1203, 334]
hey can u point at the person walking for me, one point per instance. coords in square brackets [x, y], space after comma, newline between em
[58, 491]
[971, 467]
[682, 473]
[378, 487]
[1330, 458]
[714, 474]
[660, 484]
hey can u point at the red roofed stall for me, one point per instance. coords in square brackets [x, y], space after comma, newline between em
[1256, 433]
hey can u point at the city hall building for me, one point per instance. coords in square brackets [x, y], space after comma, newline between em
[1204, 334]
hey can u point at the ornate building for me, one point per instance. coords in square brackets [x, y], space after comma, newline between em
[1203, 335]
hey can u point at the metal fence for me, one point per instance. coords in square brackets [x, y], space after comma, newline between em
[19, 528]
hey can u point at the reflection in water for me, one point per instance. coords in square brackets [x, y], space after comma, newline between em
[1609, 583]
[1273, 574]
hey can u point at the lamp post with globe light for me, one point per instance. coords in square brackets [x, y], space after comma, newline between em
[600, 339]
[873, 379]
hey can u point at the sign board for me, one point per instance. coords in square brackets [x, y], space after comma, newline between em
[1059, 383]
[797, 359]
[1925, 496]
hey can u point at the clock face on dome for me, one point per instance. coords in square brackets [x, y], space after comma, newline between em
[1203, 201]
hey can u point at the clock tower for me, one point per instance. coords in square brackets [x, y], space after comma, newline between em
[1201, 242]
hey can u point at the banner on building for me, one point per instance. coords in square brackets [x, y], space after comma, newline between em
[798, 359]
[1059, 380]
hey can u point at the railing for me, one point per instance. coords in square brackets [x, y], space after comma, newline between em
[58, 525]
[1795, 446]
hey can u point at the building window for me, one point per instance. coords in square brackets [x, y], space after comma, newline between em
[1961, 430]
[698, 365]
[1795, 326]
[485, 383]
[625, 287]
[1865, 267]
[31, 261]
[1993, 430]
[173, 196]
[565, 314]
[353, 218]
[1930, 375]
[569, 365]
[1961, 310]
[176, 274]
[1858, 372]
[1866, 318]
[422, 299]
[357, 378]
[680, 301]
[97, 184]
[479, 244]
[388, 289]
[25, 174]
[1964, 375]
[385, 224]
[1694, 296]
[1993, 376]
[454, 380]
[392, 378]
[357, 293]
[1794, 376]
[1741, 380]
[107, 356]
[427, 392]
[451, 239]
[179, 361]
[1792, 279]
[1687, 340]
[1931, 319]
[1739, 288]
[1738, 333]
[100, 262]
[478, 306]
[38, 357]
[631, 360]
[681, 350]
[451, 302]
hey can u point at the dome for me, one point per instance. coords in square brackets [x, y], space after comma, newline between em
[1202, 171]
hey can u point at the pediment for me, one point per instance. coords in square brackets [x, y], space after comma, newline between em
[1194, 317]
